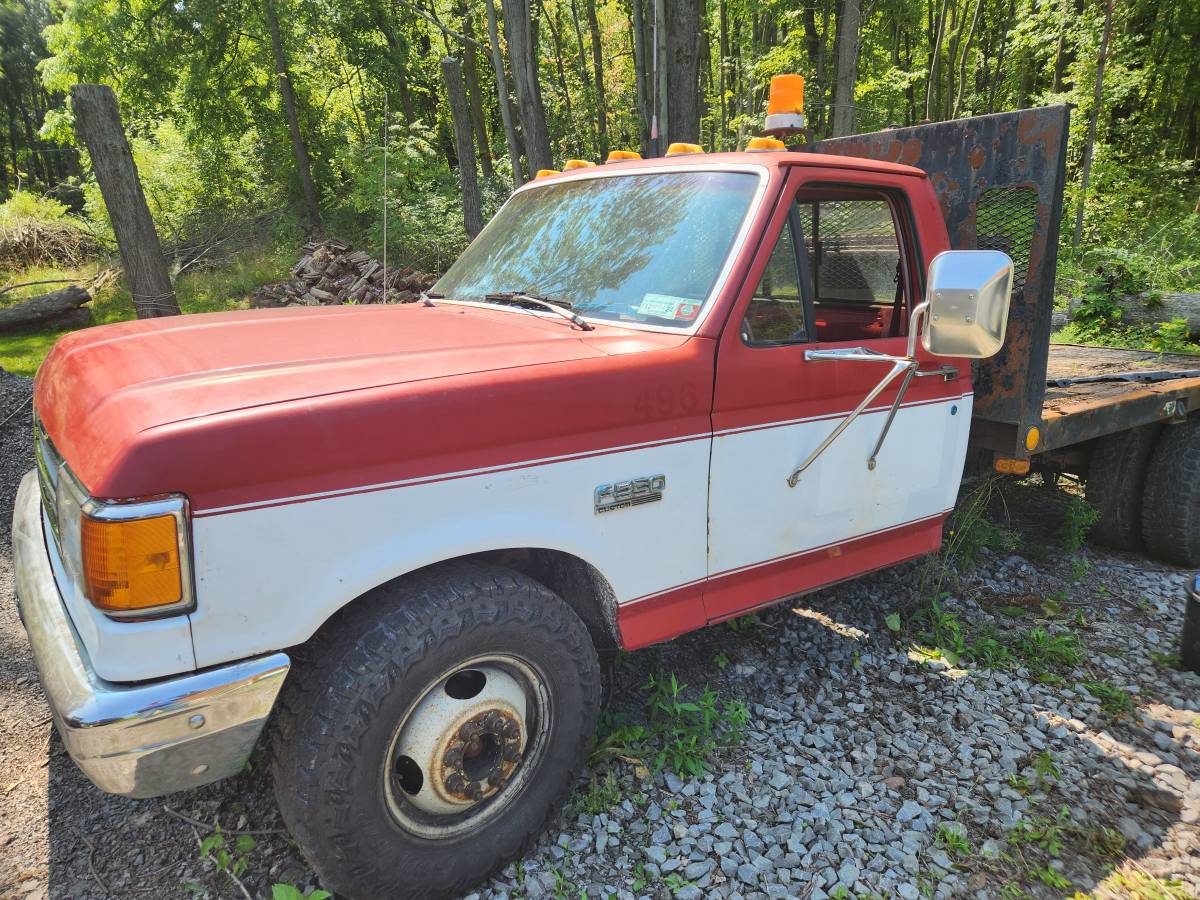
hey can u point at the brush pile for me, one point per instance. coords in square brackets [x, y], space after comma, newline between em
[26, 242]
[331, 273]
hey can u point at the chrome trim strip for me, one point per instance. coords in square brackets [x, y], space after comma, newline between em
[145, 739]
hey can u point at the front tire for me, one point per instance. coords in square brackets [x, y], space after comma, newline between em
[424, 739]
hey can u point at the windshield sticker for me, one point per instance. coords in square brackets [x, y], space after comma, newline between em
[664, 306]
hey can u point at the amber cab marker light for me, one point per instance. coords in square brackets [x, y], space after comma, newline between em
[679, 148]
[578, 164]
[546, 173]
[759, 144]
[1007, 466]
[622, 155]
[785, 103]
[131, 564]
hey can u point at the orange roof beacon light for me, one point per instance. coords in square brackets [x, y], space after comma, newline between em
[785, 106]
[621, 155]
[577, 164]
[759, 144]
[679, 148]
[544, 173]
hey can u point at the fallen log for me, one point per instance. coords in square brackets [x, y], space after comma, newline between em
[1141, 310]
[60, 307]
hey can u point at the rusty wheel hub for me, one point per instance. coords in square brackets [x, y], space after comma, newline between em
[461, 743]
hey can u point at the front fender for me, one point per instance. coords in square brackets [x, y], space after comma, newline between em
[268, 578]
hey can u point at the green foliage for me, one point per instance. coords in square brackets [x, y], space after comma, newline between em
[1114, 702]
[601, 795]
[687, 732]
[954, 839]
[232, 858]
[291, 892]
[1078, 517]
[1047, 654]
[747, 624]
[1045, 767]
[24, 206]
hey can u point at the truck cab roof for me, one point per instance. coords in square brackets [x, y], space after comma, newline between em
[766, 158]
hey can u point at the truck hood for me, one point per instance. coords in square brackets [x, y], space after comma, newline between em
[102, 388]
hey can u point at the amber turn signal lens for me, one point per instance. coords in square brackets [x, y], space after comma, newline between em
[787, 95]
[131, 564]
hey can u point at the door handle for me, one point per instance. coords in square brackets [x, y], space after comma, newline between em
[948, 373]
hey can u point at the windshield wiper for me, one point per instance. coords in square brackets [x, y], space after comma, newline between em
[522, 297]
[427, 297]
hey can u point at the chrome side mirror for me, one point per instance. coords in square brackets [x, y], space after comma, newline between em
[967, 298]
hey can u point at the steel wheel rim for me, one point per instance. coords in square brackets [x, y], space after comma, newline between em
[402, 803]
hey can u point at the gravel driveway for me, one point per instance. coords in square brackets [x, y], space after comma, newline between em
[866, 768]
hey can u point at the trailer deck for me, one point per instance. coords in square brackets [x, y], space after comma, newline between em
[1093, 391]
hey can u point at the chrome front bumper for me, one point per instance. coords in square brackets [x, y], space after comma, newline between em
[144, 739]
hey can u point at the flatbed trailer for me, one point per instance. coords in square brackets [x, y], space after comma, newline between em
[1092, 411]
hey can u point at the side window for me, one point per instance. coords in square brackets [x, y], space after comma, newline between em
[853, 246]
[776, 312]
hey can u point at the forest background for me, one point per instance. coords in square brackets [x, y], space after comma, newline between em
[255, 125]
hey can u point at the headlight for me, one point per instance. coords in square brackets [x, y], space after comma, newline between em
[130, 559]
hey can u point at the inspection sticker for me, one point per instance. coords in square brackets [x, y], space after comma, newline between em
[665, 306]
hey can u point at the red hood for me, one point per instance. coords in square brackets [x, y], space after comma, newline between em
[104, 390]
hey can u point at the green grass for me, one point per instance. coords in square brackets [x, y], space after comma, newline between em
[213, 290]
[1114, 702]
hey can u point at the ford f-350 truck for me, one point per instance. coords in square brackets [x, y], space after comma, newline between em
[650, 396]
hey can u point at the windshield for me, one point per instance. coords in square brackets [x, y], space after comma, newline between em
[631, 248]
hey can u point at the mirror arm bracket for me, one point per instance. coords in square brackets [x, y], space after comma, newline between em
[899, 364]
[906, 364]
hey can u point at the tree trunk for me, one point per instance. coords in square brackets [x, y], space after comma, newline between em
[662, 105]
[962, 64]
[682, 65]
[1090, 145]
[506, 111]
[99, 126]
[472, 207]
[934, 59]
[573, 136]
[641, 69]
[846, 74]
[59, 308]
[521, 31]
[475, 92]
[287, 98]
[598, 66]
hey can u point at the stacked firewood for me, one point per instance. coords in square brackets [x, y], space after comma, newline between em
[330, 273]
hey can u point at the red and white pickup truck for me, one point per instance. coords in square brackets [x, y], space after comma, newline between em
[410, 535]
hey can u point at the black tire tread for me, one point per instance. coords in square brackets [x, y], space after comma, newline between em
[1116, 477]
[405, 620]
[1171, 499]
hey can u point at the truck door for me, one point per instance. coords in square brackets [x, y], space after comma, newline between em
[841, 266]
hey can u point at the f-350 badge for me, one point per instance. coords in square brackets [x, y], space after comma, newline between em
[634, 492]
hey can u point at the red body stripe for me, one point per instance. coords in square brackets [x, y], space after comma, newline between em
[668, 614]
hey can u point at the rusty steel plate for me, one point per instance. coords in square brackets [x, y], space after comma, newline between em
[999, 180]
